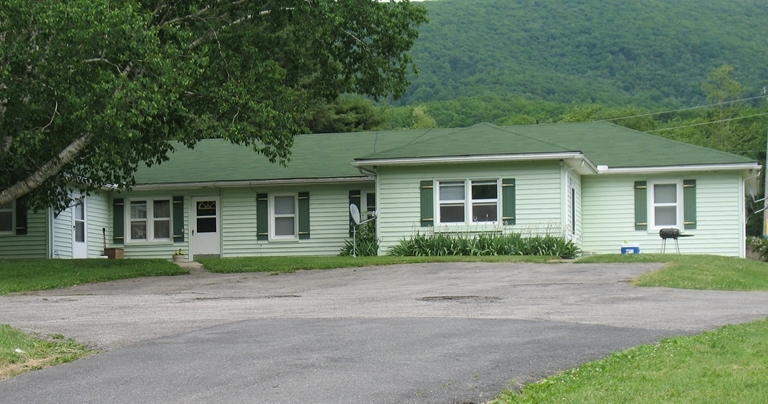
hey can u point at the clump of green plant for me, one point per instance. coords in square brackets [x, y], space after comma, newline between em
[488, 243]
[367, 242]
[759, 246]
[20, 352]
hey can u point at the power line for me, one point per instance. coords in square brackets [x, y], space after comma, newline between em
[681, 109]
[708, 123]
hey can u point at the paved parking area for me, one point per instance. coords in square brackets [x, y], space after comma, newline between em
[426, 333]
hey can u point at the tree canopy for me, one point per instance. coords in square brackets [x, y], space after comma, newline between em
[91, 89]
[652, 53]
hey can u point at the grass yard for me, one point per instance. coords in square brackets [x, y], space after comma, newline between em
[708, 272]
[41, 274]
[21, 353]
[293, 264]
[728, 365]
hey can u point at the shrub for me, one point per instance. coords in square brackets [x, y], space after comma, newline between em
[489, 243]
[367, 242]
[759, 245]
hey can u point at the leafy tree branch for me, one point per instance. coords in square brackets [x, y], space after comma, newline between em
[92, 89]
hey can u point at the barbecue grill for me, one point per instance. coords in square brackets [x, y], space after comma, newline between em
[671, 233]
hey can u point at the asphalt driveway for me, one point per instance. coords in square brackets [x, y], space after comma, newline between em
[427, 333]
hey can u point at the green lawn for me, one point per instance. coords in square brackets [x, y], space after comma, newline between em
[728, 365]
[293, 264]
[709, 272]
[21, 353]
[41, 274]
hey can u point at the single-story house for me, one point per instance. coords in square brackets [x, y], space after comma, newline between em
[598, 184]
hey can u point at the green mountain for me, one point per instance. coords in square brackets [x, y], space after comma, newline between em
[648, 53]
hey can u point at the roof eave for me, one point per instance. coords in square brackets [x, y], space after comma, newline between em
[492, 158]
[251, 183]
[602, 169]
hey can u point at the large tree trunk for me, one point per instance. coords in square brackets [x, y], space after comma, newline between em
[47, 170]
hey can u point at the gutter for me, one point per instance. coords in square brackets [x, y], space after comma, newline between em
[604, 169]
[238, 184]
[410, 161]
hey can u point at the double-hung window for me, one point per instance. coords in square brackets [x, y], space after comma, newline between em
[282, 216]
[485, 201]
[284, 223]
[666, 206]
[150, 220]
[665, 203]
[468, 202]
[452, 201]
[6, 218]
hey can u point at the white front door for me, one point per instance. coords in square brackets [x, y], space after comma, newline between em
[79, 233]
[206, 226]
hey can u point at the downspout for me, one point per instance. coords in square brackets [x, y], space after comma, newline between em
[565, 200]
[367, 171]
[49, 236]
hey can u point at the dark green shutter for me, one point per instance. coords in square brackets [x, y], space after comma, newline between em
[118, 221]
[178, 219]
[303, 215]
[508, 202]
[21, 217]
[689, 204]
[641, 205]
[427, 204]
[354, 199]
[262, 217]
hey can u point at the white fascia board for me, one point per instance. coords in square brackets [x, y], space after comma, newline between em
[240, 184]
[676, 169]
[474, 159]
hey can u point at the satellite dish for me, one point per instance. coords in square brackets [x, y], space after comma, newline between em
[355, 212]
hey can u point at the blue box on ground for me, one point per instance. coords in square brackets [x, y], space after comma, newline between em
[630, 248]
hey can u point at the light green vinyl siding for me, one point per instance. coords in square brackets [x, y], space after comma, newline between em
[574, 180]
[609, 215]
[97, 216]
[62, 235]
[31, 245]
[328, 212]
[329, 221]
[96, 219]
[537, 186]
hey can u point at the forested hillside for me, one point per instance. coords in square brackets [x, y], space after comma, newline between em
[648, 53]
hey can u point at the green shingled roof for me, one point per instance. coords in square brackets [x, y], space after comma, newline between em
[603, 143]
[330, 155]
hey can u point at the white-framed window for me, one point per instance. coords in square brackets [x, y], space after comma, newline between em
[468, 202]
[149, 220]
[6, 218]
[284, 223]
[666, 204]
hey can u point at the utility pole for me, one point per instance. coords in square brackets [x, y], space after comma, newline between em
[765, 175]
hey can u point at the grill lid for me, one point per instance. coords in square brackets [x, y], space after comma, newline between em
[669, 233]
